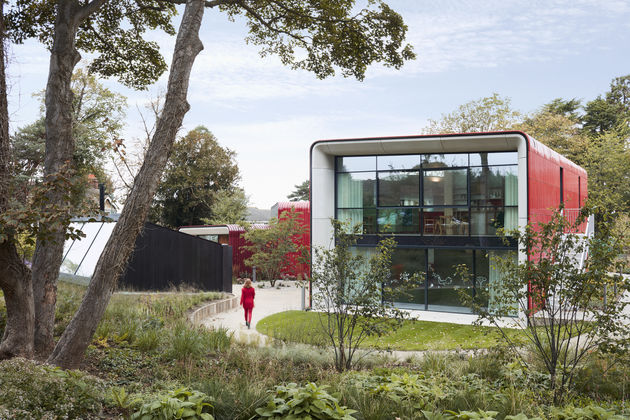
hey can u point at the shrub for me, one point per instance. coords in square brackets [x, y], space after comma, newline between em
[306, 402]
[178, 404]
[33, 391]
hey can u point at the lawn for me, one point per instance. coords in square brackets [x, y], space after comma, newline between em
[304, 327]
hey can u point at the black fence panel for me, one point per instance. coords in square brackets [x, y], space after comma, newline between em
[164, 258]
[227, 268]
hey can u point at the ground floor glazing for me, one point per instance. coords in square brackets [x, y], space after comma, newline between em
[430, 279]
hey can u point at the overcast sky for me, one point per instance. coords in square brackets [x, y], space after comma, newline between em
[530, 51]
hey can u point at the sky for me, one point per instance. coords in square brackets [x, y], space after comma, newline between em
[529, 51]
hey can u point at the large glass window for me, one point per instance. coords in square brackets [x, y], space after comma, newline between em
[445, 187]
[398, 221]
[399, 188]
[444, 284]
[452, 194]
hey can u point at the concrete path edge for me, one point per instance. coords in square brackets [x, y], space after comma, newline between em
[206, 311]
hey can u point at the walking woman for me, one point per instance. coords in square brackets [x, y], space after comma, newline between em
[247, 301]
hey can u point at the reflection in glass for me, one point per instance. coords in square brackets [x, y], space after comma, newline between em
[445, 221]
[388, 163]
[356, 190]
[355, 287]
[445, 187]
[398, 221]
[445, 160]
[408, 273]
[493, 158]
[444, 284]
[81, 255]
[494, 186]
[486, 220]
[365, 217]
[398, 188]
[356, 163]
[489, 283]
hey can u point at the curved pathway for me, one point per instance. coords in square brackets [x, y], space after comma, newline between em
[268, 301]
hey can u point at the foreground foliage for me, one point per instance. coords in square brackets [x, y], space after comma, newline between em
[144, 353]
[561, 296]
[351, 292]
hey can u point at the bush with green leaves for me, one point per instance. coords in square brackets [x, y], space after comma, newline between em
[178, 404]
[304, 402]
[29, 390]
[351, 292]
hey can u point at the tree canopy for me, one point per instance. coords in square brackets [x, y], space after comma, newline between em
[491, 113]
[301, 192]
[197, 170]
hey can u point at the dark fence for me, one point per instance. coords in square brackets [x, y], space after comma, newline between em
[164, 258]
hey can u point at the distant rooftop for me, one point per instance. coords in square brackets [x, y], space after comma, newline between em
[255, 214]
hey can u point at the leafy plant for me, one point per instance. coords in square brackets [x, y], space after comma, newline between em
[307, 402]
[178, 404]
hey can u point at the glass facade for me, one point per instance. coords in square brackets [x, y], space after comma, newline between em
[442, 205]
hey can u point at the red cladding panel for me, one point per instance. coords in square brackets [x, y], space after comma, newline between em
[544, 183]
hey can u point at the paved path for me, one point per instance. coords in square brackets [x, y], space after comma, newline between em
[268, 301]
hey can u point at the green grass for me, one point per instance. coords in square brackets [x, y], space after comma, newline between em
[304, 327]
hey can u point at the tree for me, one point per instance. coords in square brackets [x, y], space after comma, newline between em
[196, 171]
[66, 27]
[351, 292]
[271, 247]
[492, 113]
[566, 108]
[302, 192]
[564, 311]
[319, 37]
[610, 112]
[558, 130]
[607, 160]
[228, 207]
[15, 280]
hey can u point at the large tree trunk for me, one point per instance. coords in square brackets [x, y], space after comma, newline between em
[15, 280]
[58, 162]
[71, 347]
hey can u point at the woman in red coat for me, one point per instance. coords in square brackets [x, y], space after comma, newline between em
[247, 301]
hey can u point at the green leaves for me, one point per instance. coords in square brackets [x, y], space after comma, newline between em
[292, 402]
[198, 168]
[326, 36]
[181, 403]
[273, 248]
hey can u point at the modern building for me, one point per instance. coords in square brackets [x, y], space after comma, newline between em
[443, 197]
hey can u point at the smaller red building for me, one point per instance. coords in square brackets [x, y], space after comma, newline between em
[232, 235]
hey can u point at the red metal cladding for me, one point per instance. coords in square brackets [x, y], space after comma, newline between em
[552, 178]
[545, 169]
